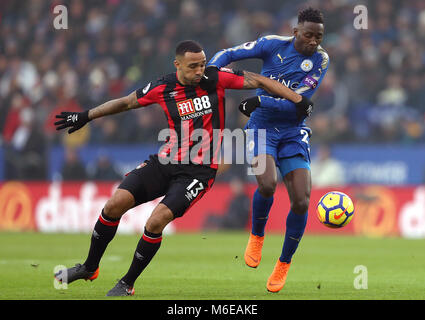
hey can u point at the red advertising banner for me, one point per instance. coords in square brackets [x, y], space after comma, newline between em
[75, 207]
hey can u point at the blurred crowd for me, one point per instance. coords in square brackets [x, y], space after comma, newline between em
[374, 91]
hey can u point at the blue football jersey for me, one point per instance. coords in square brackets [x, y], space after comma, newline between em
[282, 62]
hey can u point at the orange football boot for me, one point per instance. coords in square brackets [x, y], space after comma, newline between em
[253, 250]
[277, 279]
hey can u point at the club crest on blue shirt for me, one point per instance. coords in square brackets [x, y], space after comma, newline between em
[307, 65]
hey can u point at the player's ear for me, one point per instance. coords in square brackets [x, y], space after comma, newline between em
[179, 62]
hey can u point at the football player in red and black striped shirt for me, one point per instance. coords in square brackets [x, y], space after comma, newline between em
[192, 99]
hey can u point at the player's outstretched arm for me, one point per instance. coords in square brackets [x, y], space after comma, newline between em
[77, 120]
[115, 106]
[254, 81]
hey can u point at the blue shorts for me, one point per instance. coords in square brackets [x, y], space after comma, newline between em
[289, 147]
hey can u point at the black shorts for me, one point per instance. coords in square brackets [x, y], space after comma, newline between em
[182, 184]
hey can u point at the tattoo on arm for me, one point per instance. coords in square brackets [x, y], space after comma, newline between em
[254, 81]
[251, 80]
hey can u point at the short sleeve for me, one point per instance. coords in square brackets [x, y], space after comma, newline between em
[147, 95]
[230, 79]
[313, 79]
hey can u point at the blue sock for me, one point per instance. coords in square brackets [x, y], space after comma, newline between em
[295, 226]
[260, 213]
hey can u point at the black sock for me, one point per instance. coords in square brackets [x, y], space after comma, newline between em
[104, 231]
[146, 249]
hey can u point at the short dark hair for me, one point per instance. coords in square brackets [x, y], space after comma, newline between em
[188, 46]
[310, 15]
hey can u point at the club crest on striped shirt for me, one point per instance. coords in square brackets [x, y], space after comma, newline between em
[193, 108]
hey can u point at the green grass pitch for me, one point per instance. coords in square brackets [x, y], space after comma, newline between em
[210, 266]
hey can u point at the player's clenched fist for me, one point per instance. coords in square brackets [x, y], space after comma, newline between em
[73, 120]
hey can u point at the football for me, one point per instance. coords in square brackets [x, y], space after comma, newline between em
[335, 209]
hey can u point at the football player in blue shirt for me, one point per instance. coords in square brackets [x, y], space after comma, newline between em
[300, 63]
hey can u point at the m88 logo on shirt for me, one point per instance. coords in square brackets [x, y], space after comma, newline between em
[193, 108]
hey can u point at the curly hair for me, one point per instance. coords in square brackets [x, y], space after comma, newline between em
[310, 15]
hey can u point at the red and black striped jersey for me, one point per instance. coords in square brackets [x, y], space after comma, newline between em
[195, 114]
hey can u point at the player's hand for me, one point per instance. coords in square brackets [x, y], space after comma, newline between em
[304, 108]
[249, 105]
[73, 120]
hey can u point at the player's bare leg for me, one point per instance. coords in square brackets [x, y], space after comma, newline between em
[267, 181]
[146, 249]
[298, 185]
[159, 219]
[120, 202]
[104, 231]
